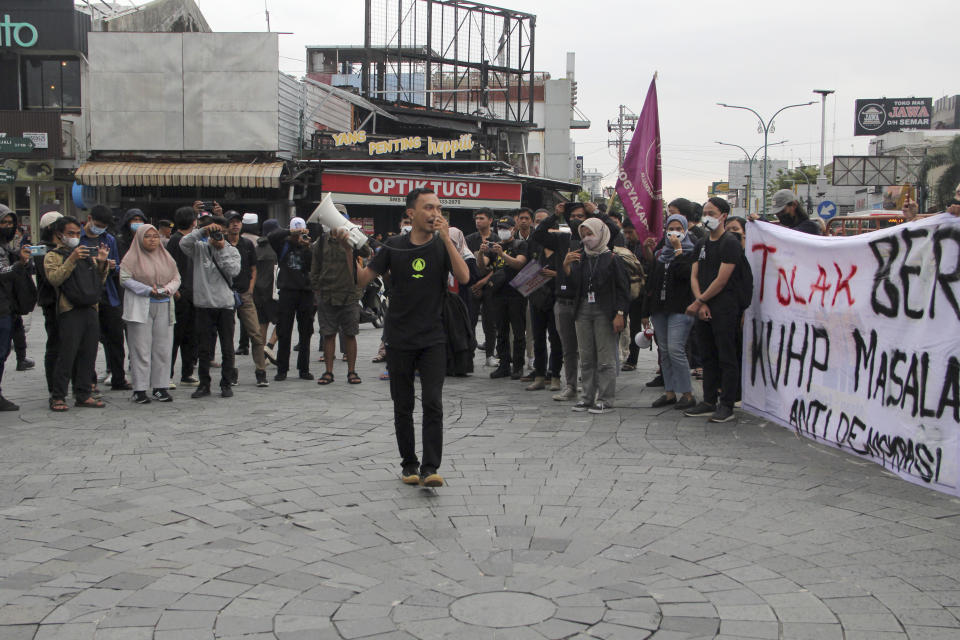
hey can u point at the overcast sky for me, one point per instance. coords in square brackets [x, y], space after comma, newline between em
[754, 53]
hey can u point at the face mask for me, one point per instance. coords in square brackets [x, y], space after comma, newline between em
[71, 242]
[711, 224]
[405, 229]
[8, 233]
[135, 225]
[97, 231]
[504, 234]
[575, 225]
[675, 234]
[591, 242]
[737, 235]
[785, 218]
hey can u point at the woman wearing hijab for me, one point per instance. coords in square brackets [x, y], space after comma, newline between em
[666, 298]
[603, 296]
[150, 276]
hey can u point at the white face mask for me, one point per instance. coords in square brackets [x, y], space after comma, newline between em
[675, 234]
[711, 223]
[591, 242]
[405, 229]
[71, 242]
[504, 234]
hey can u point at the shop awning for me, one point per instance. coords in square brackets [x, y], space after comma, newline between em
[180, 174]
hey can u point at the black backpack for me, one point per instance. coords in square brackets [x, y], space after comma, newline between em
[744, 283]
[84, 286]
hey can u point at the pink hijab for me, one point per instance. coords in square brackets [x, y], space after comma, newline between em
[153, 268]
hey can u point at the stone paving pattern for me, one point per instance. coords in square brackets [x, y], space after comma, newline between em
[279, 514]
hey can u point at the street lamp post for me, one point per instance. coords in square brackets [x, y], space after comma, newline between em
[766, 126]
[822, 178]
[750, 159]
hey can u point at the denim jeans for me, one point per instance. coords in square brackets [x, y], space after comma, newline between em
[671, 330]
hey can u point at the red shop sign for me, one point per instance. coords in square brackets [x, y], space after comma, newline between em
[370, 188]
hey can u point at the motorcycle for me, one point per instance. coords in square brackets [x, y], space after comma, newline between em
[373, 303]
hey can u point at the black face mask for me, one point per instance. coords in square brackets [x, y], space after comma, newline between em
[785, 218]
[7, 233]
[575, 227]
[737, 235]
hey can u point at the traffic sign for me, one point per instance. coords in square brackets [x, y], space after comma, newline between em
[7, 176]
[826, 210]
[15, 145]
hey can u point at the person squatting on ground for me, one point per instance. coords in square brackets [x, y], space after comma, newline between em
[150, 278]
[418, 263]
[602, 298]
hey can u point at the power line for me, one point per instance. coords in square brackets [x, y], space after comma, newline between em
[626, 121]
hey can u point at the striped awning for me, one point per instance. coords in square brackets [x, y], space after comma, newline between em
[180, 174]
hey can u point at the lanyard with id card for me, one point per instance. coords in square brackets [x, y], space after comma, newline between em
[591, 294]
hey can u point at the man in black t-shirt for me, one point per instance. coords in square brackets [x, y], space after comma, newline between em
[505, 257]
[418, 263]
[243, 284]
[717, 309]
[481, 290]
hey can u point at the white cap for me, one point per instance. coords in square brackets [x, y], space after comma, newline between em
[297, 223]
[49, 218]
[250, 218]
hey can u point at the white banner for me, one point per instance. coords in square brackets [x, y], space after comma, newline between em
[855, 341]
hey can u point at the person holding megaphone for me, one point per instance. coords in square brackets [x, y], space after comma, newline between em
[418, 263]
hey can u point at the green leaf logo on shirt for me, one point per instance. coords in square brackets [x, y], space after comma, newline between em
[419, 265]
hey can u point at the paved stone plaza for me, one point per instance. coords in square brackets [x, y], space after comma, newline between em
[279, 514]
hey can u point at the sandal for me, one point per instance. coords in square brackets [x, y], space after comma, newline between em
[326, 378]
[90, 403]
[380, 358]
[58, 405]
[353, 378]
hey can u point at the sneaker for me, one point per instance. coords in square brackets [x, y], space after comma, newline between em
[492, 362]
[410, 475]
[656, 382]
[431, 479]
[568, 393]
[556, 384]
[202, 391]
[296, 347]
[6, 405]
[482, 346]
[242, 351]
[306, 375]
[188, 381]
[663, 401]
[582, 405]
[683, 405]
[140, 397]
[262, 378]
[500, 372]
[25, 364]
[530, 377]
[723, 414]
[226, 391]
[123, 386]
[280, 377]
[517, 375]
[701, 409]
[172, 385]
[161, 395]
[235, 377]
[539, 382]
[601, 407]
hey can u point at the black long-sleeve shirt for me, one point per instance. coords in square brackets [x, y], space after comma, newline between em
[562, 243]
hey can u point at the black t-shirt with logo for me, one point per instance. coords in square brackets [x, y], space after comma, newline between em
[502, 272]
[711, 254]
[248, 260]
[474, 240]
[418, 276]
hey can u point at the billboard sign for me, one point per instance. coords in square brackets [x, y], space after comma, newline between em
[882, 115]
[392, 189]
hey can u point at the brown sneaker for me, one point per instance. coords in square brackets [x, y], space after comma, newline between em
[556, 384]
[432, 480]
[539, 382]
[410, 475]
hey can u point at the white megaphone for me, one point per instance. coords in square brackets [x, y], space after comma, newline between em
[326, 214]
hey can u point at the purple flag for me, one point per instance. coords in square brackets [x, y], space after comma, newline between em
[639, 184]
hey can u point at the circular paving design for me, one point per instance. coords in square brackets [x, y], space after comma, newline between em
[502, 609]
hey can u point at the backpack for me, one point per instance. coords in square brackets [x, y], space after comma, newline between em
[84, 286]
[744, 283]
[634, 270]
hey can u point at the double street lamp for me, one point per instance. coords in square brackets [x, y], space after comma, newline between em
[750, 159]
[766, 126]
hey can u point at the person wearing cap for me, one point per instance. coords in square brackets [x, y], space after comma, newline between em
[215, 263]
[505, 258]
[296, 298]
[243, 284]
[95, 234]
[12, 265]
[264, 288]
[184, 336]
[791, 214]
[47, 296]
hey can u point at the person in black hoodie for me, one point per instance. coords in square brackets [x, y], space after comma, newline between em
[560, 242]
[184, 335]
[665, 299]
[12, 265]
[294, 257]
[789, 211]
[129, 224]
[603, 295]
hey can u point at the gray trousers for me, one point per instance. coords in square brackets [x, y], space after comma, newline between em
[566, 327]
[597, 343]
[151, 344]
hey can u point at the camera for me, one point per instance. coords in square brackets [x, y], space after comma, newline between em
[216, 235]
[38, 250]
